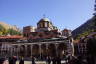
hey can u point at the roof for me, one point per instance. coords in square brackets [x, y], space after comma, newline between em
[93, 33]
[44, 20]
[11, 37]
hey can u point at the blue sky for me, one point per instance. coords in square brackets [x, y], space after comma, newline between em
[63, 13]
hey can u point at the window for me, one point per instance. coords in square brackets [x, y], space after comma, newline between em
[46, 24]
[40, 35]
[34, 34]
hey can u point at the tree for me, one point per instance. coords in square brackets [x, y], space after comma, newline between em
[85, 33]
[13, 32]
[2, 30]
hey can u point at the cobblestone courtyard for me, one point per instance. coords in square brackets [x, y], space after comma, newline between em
[38, 62]
[29, 62]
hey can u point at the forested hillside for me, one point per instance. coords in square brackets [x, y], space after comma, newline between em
[85, 29]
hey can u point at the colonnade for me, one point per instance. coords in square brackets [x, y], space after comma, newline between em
[40, 50]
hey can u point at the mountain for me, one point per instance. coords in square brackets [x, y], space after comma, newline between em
[7, 29]
[8, 26]
[86, 28]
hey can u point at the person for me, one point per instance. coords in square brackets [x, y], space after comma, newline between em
[53, 60]
[33, 60]
[10, 60]
[21, 60]
[2, 60]
[78, 60]
[73, 60]
[14, 59]
[48, 60]
[58, 59]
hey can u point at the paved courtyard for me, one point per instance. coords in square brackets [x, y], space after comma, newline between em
[37, 62]
[29, 62]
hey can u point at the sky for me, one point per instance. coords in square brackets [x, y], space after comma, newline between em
[68, 14]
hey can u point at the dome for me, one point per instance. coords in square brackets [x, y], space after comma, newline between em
[44, 19]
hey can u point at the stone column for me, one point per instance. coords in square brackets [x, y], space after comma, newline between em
[46, 46]
[11, 51]
[8, 49]
[47, 53]
[40, 50]
[2, 49]
[18, 50]
[31, 49]
[25, 50]
[72, 45]
[56, 46]
[5, 50]
[14, 50]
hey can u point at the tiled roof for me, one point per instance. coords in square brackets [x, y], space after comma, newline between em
[94, 33]
[11, 37]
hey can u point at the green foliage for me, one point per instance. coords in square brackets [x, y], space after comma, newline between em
[85, 29]
[3, 31]
[85, 33]
[1, 28]
[13, 32]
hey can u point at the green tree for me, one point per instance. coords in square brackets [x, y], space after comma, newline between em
[2, 30]
[13, 32]
[85, 33]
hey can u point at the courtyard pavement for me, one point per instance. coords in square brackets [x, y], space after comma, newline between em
[29, 62]
[37, 62]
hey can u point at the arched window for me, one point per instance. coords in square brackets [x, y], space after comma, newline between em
[46, 24]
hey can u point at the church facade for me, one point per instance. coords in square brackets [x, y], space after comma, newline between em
[42, 41]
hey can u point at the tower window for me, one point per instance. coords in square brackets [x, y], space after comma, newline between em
[40, 35]
[46, 24]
